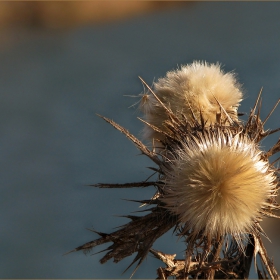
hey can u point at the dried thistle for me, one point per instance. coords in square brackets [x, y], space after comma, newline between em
[193, 89]
[218, 182]
[214, 187]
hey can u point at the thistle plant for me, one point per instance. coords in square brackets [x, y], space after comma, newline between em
[214, 183]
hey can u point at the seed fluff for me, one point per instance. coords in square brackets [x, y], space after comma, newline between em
[192, 89]
[217, 182]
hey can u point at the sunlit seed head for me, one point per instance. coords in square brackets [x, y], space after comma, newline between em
[195, 87]
[218, 184]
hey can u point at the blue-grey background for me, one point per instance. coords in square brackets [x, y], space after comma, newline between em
[52, 144]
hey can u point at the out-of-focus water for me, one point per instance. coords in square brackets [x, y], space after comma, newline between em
[52, 143]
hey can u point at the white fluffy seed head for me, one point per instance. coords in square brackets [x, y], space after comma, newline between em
[218, 184]
[195, 87]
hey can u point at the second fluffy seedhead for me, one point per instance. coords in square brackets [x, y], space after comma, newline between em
[197, 89]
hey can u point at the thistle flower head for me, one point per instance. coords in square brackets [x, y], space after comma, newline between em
[218, 183]
[197, 88]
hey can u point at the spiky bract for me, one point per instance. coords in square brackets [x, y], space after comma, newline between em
[194, 88]
[218, 182]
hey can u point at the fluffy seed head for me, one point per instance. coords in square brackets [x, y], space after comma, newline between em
[218, 183]
[195, 87]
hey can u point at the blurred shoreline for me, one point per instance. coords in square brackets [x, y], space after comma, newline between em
[67, 14]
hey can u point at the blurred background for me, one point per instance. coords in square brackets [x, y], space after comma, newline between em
[63, 62]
